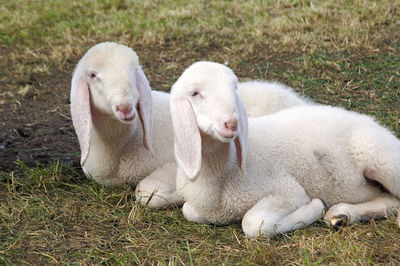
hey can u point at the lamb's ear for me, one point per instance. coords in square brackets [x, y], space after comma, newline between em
[187, 137]
[145, 108]
[80, 113]
[241, 139]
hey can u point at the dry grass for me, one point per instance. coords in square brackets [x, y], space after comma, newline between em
[337, 52]
[58, 31]
[55, 215]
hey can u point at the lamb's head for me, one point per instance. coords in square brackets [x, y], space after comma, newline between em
[109, 70]
[204, 99]
[109, 80]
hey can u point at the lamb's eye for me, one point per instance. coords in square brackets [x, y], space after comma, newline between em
[194, 93]
[92, 75]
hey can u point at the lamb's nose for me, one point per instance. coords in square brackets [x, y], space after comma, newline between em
[231, 124]
[124, 108]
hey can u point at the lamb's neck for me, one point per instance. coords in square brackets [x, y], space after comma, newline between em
[217, 157]
[206, 193]
[112, 132]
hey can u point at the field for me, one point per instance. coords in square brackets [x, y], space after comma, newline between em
[343, 53]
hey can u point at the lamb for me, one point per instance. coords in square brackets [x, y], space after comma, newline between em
[279, 172]
[113, 115]
[259, 97]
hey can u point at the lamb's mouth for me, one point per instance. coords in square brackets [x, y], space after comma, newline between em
[129, 119]
[226, 137]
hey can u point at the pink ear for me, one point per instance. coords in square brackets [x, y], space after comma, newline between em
[145, 108]
[187, 142]
[241, 139]
[80, 112]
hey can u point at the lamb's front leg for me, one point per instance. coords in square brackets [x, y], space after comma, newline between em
[192, 215]
[344, 213]
[269, 217]
[161, 187]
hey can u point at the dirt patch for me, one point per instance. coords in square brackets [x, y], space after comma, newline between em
[35, 121]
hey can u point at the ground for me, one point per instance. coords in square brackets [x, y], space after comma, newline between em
[36, 127]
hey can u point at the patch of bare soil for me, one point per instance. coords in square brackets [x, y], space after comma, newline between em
[36, 125]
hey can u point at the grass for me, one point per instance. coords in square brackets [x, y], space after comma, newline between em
[342, 53]
[55, 215]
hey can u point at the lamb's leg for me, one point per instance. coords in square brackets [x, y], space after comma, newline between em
[161, 187]
[380, 207]
[268, 219]
[192, 215]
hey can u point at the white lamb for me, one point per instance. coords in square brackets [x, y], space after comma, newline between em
[112, 105]
[293, 161]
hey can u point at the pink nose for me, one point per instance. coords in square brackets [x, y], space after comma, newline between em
[231, 124]
[124, 108]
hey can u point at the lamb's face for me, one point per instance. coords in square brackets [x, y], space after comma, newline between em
[211, 90]
[205, 99]
[110, 71]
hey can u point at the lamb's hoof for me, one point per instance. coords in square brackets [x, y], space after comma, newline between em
[339, 215]
[339, 220]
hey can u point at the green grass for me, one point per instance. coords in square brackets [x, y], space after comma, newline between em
[369, 85]
[343, 53]
[55, 215]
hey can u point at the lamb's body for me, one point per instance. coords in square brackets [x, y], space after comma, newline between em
[296, 160]
[263, 98]
[295, 155]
